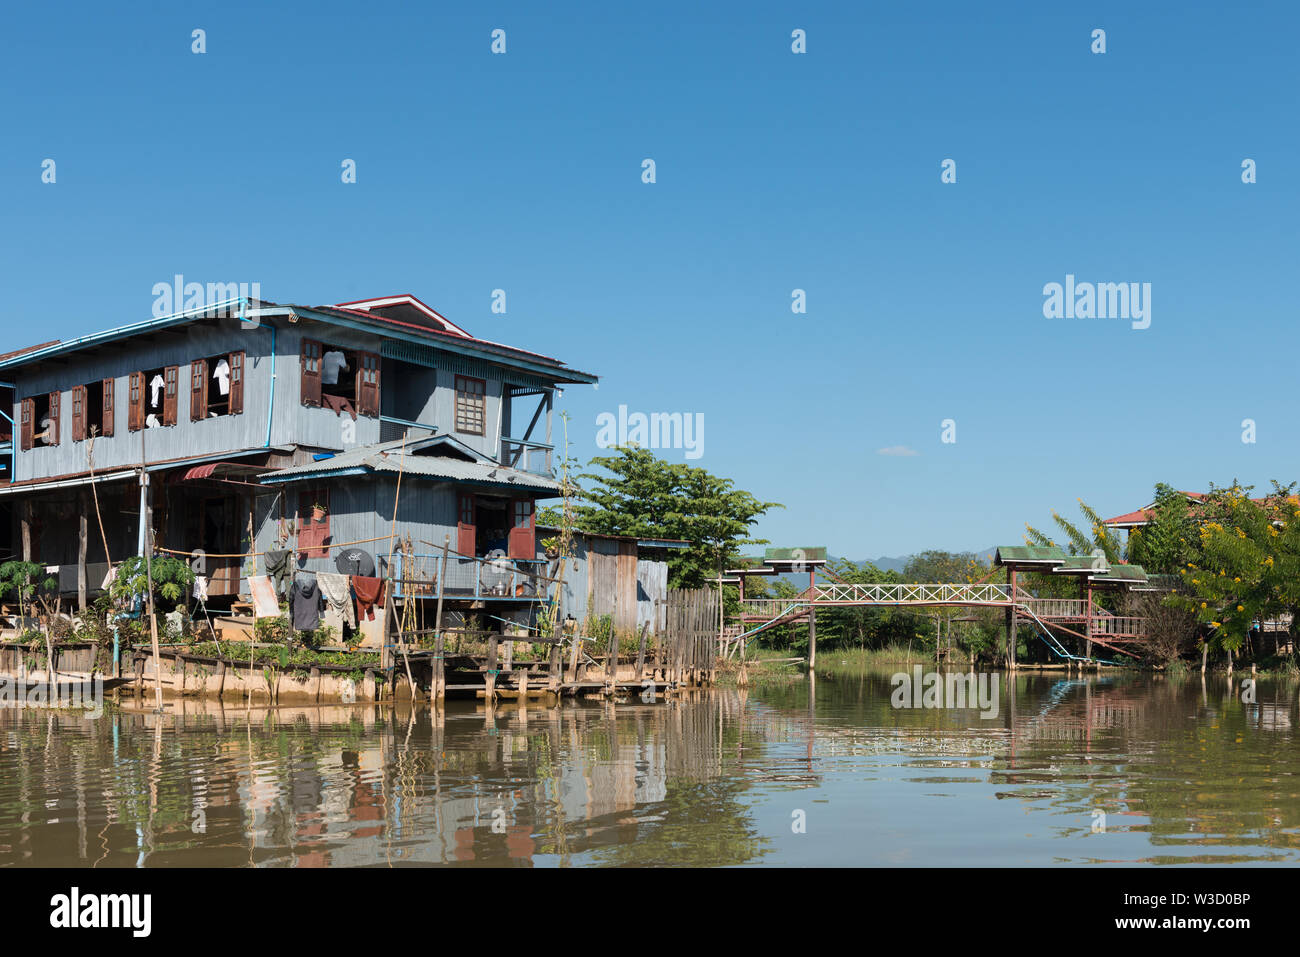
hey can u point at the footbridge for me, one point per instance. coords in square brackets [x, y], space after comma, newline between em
[1054, 619]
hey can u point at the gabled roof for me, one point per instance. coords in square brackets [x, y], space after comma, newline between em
[1144, 515]
[434, 457]
[398, 317]
[406, 308]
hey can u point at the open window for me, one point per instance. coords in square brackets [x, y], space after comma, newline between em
[523, 543]
[466, 530]
[340, 378]
[314, 523]
[39, 421]
[152, 398]
[92, 410]
[217, 386]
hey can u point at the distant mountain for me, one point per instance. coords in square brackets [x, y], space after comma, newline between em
[887, 564]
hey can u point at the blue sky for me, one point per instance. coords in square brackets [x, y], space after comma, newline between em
[775, 171]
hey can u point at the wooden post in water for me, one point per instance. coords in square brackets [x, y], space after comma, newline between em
[553, 680]
[640, 653]
[82, 539]
[490, 676]
[611, 664]
[439, 644]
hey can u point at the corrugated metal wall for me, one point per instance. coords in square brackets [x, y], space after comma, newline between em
[292, 423]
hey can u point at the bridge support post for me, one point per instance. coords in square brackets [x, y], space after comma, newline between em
[812, 637]
[1011, 624]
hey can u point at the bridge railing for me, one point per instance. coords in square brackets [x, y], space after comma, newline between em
[912, 594]
[1116, 626]
[1057, 607]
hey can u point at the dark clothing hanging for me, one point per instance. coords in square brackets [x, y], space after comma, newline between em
[305, 603]
[369, 592]
[278, 564]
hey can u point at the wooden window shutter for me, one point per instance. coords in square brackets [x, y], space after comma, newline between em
[198, 389]
[236, 383]
[522, 541]
[466, 533]
[25, 424]
[135, 403]
[311, 353]
[78, 413]
[53, 438]
[107, 419]
[368, 384]
[171, 386]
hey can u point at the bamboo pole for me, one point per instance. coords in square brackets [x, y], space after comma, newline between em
[439, 644]
[146, 520]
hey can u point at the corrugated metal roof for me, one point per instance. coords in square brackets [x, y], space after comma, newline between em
[388, 457]
[1122, 573]
[1078, 564]
[1038, 554]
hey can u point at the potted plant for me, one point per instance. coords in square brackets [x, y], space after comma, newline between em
[318, 512]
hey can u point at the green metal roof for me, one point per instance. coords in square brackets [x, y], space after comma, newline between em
[1083, 564]
[810, 554]
[1135, 574]
[1028, 554]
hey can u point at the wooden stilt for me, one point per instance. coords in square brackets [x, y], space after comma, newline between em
[490, 676]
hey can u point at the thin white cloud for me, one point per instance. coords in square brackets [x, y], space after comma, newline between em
[897, 450]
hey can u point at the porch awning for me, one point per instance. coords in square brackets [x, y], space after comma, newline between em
[199, 472]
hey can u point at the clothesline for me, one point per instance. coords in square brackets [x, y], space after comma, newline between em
[364, 541]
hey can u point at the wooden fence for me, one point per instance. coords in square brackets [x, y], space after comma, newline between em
[690, 642]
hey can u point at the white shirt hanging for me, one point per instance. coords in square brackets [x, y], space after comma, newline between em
[222, 374]
[156, 383]
[330, 364]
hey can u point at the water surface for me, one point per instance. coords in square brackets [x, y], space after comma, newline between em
[1110, 769]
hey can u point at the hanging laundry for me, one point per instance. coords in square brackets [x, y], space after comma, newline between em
[265, 602]
[337, 590]
[221, 372]
[156, 384]
[276, 563]
[151, 422]
[330, 364]
[174, 623]
[108, 579]
[305, 601]
[369, 592]
[201, 587]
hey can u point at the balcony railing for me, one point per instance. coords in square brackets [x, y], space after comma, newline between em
[528, 456]
[392, 428]
[505, 578]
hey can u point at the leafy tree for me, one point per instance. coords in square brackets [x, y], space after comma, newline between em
[934, 565]
[24, 581]
[642, 495]
[1170, 539]
[1079, 542]
[172, 579]
[1249, 564]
